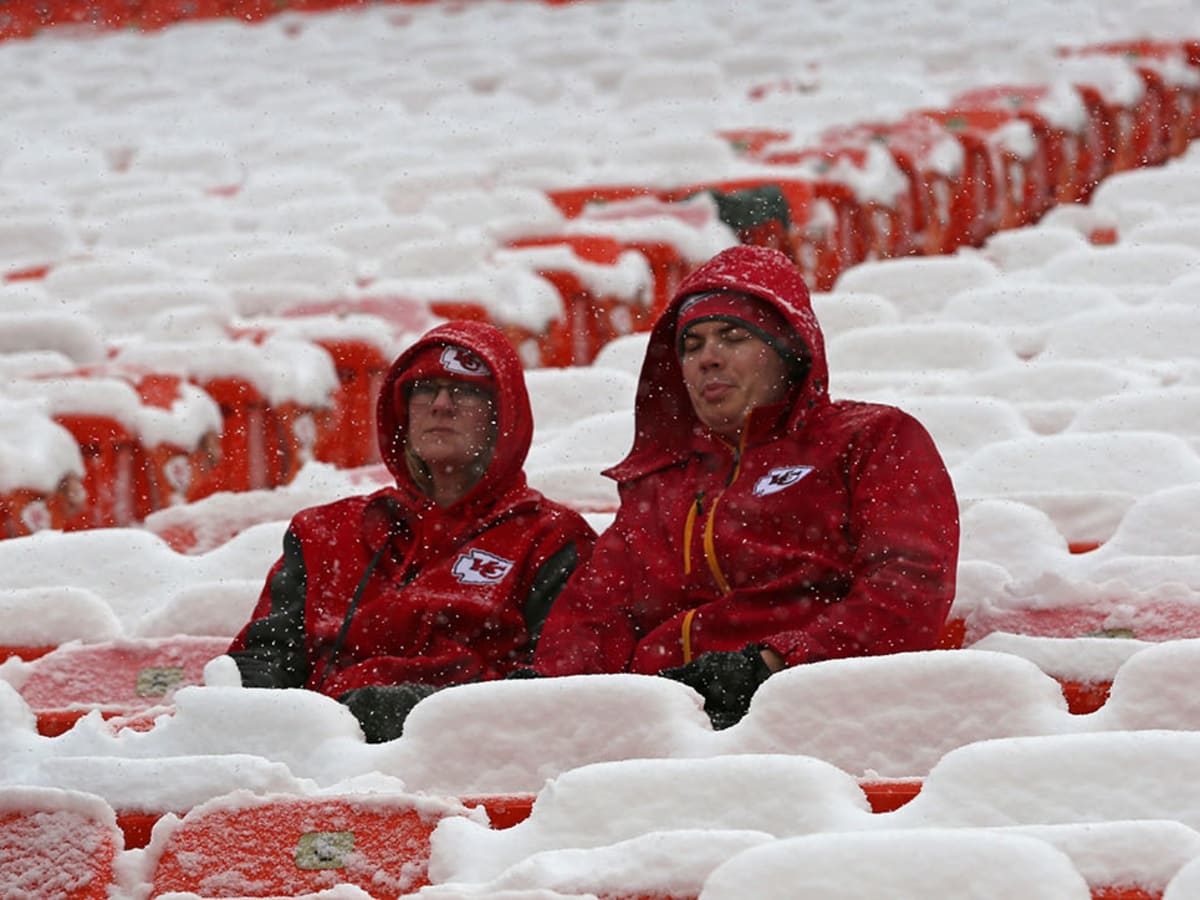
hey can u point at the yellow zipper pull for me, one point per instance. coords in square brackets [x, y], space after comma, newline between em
[696, 510]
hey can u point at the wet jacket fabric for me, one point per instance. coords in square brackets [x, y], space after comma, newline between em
[445, 595]
[830, 531]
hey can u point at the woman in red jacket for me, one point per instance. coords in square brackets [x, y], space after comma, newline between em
[445, 578]
[761, 525]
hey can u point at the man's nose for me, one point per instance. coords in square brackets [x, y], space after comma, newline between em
[709, 355]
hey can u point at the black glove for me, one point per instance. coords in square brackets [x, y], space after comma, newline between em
[382, 708]
[261, 667]
[726, 680]
[523, 673]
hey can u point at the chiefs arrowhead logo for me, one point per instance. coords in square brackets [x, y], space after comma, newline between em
[779, 478]
[463, 362]
[481, 567]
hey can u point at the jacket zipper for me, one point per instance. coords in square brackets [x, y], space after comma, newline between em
[710, 553]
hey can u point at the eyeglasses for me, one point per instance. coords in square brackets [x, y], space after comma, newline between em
[424, 392]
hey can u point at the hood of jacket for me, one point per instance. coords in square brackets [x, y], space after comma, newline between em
[664, 421]
[514, 431]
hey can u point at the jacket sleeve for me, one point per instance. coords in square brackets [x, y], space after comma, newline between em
[548, 582]
[270, 651]
[588, 629]
[904, 522]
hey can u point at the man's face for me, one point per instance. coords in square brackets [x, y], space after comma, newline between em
[728, 371]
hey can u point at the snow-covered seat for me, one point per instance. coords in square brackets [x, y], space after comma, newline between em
[567, 464]
[1184, 231]
[74, 334]
[1098, 776]
[142, 790]
[842, 311]
[1084, 666]
[212, 165]
[858, 715]
[1085, 482]
[1153, 690]
[506, 212]
[918, 287]
[562, 397]
[961, 425]
[623, 354]
[274, 396]
[41, 619]
[1174, 410]
[370, 239]
[41, 469]
[130, 310]
[259, 279]
[287, 845]
[316, 216]
[1185, 884]
[57, 843]
[123, 677]
[1021, 311]
[1050, 392]
[76, 280]
[1017, 536]
[635, 867]
[903, 865]
[601, 804]
[919, 348]
[30, 242]
[408, 189]
[1018, 249]
[1175, 185]
[1129, 270]
[600, 438]
[1158, 338]
[269, 187]
[506, 738]
[433, 256]
[201, 253]
[146, 226]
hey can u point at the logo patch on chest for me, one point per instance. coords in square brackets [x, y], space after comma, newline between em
[481, 567]
[779, 478]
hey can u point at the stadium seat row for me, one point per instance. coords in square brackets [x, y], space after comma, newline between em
[1019, 815]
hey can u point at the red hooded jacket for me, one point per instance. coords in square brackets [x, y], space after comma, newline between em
[832, 531]
[446, 595]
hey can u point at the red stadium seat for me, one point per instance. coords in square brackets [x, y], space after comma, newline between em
[1077, 158]
[55, 843]
[24, 511]
[573, 201]
[591, 319]
[111, 453]
[891, 227]
[282, 845]
[818, 224]
[118, 679]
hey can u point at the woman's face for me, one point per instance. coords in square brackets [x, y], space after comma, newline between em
[451, 424]
[728, 371]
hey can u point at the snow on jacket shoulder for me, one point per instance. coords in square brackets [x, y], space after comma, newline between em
[832, 531]
[445, 595]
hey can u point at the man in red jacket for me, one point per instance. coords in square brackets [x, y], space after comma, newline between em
[761, 525]
[445, 578]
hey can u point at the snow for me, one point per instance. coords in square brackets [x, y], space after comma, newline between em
[374, 158]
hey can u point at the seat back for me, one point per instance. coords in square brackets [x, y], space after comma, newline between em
[283, 845]
[54, 843]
